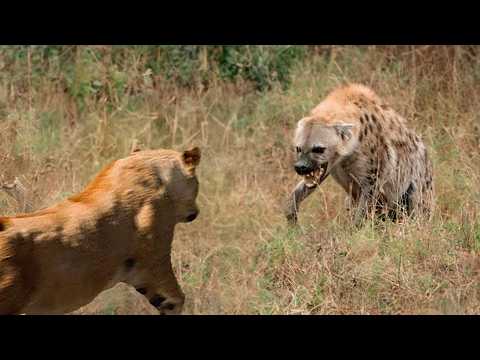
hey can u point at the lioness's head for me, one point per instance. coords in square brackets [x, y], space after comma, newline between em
[320, 145]
[183, 186]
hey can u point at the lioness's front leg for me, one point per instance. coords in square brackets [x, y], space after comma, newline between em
[300, 193]
[168, 297]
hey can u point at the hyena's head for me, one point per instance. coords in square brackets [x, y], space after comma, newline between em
[321, 145]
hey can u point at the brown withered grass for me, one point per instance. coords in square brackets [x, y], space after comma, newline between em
[239, 256]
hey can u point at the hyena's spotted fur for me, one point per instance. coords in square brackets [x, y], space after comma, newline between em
[369, 150]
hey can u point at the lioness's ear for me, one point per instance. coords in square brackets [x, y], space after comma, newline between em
[344, 130]
[192, 157]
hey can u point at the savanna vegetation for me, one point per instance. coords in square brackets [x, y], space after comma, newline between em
[66, 111]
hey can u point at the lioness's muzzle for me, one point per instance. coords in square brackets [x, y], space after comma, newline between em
[192, 216]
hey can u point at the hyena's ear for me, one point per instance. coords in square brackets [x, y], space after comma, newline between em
[344, 130]
[300, 130]
[191, 158]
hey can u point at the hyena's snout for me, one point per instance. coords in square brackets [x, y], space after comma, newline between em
[304, 167]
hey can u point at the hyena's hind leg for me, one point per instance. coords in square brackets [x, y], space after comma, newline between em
[423, 199]
[423, 202]
[406, 206]
[415, 202]
[366, 206]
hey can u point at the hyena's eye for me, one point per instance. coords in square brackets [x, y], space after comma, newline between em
[298, 149]
[318, 150]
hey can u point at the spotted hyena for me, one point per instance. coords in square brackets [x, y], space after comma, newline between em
[369, 150]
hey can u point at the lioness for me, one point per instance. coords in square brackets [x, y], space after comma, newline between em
[119, 229]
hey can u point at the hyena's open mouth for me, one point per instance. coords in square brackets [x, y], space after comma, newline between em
[317, 176]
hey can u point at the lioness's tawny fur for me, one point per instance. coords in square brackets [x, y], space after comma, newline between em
[119, 229]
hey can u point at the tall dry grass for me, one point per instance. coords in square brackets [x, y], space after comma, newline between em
[239, 257]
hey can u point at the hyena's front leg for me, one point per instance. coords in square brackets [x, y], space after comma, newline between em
[168, 297]
[369, 203]
[361, 209]
[300, 193]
